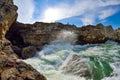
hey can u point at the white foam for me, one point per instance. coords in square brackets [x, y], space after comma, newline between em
[52, 56]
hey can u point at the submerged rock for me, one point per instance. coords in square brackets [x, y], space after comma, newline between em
[90, 67]
[76, 65]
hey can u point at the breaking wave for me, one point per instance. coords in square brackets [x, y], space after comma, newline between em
[60, 60]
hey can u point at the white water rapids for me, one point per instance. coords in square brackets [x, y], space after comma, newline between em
[105, 58]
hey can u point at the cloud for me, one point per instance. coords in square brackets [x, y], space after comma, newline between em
[106, 13]
[87, 10]
[26, 9]
[51, 15]
[88, 18]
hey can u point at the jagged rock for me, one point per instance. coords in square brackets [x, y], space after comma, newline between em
[76, 65]
[17, 69]
[8, 14]
[17, 50]
[39, 34]
[11, 68]
[96, 34]
[118, 35]
[36, 35]
[28, 52]
[5, 47]
[9, 74]
[110, 33]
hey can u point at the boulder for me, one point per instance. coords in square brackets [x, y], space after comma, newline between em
[89, 67]
[76, 65]
[15, 70]
[11, 68]
[28, 52]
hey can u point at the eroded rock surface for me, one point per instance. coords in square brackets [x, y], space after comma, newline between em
[96, 34]
[8, 15]
[11, 68]
[38, 34]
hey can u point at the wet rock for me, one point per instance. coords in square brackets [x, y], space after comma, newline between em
[28, 52]
[11, 67]
[44, 33]
[89, 67]
[76, 65]
[17, 50]
[37, 34]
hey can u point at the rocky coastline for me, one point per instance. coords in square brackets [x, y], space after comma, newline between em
[11, 68]
[18, 40]
[38, 34]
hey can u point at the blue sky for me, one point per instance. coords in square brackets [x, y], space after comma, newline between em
[78, 12]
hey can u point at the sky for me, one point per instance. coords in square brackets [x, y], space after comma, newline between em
[77, 12]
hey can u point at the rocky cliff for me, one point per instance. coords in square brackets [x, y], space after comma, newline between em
[96, 34]
[38, 34]
[25, 39]
[8, 15]
[11, 68]
[35, 35]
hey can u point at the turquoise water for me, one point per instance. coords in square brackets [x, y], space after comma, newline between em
[102, 61]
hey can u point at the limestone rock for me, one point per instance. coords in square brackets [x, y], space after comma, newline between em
[96, 34]
[9, 74]
[11, 67]
[8, 14]
[38, 34]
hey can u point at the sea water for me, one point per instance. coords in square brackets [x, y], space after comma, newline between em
[103, 60]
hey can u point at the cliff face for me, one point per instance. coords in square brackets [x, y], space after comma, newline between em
[11, 68]
[38, 34]
[27, 38]
[8, 15]
[96, 34]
